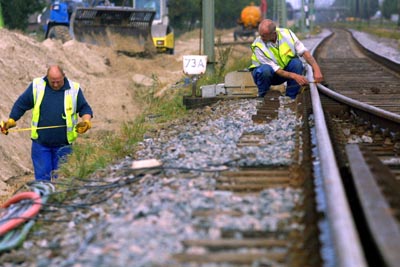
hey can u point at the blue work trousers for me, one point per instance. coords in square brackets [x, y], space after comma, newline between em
[46, 160]
[264, 76]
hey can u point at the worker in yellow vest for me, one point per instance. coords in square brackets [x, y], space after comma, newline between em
[56, 103]
[275, 60]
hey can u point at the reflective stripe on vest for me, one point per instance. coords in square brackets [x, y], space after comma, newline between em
[281, 55]
[70, 103]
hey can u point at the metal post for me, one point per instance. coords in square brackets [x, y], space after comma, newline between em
[1, 18]
[275, 11]
[208, 32]
[302, 21]
[361, 7]
[398, 12]
[312, 15]
[282, 14]
[194, 85]
[307, 16]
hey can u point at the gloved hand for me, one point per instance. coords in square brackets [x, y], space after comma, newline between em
[5, 125]
[83, 126]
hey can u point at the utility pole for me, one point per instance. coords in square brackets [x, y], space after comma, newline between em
[398, 12]
[1, 18]
[303, 17]
[275, 11]
[312, 15]
[353, 8]
[282, 13]
[208, 32]
[306, 9]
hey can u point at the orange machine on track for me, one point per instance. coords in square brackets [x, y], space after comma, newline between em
[248, 22]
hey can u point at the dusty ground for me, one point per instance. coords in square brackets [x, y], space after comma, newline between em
[108, 80]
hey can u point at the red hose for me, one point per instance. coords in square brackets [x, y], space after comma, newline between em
[30, 213]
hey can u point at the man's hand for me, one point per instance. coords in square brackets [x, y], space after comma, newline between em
[300, 79]
[83, 126]
[318, 78]
[5, 125]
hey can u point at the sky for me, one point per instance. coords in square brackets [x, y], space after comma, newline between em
[297, 3]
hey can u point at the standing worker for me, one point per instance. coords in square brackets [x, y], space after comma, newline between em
[275, 60]
[56, 102]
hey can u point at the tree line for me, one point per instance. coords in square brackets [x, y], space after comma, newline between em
[186, 15]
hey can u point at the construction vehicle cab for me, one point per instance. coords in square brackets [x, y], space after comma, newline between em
[161, 31]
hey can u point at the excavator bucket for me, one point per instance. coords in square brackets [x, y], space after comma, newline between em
[122, 28]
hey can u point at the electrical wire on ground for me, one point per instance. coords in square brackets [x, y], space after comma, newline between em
[18, 217]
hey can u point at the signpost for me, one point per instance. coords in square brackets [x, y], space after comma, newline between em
[194, 66]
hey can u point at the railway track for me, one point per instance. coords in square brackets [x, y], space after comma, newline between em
[363, 118]
[350, 71]
[284, 246]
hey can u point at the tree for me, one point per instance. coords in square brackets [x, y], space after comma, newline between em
[185, 14]
[389, 7]
[359, 8]
[17, 12]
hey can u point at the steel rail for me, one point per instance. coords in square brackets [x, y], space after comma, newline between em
[346, 242]
[386, 118]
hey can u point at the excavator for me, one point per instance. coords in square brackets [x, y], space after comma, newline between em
[127, 28]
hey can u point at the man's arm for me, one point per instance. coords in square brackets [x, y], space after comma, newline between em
[316, 70]
[22, 104]
[300, 79]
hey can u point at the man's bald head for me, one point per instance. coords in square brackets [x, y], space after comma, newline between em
[55, 75]
[267, 30]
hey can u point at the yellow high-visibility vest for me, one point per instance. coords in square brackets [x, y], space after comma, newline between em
[70, 103]
[281, 55]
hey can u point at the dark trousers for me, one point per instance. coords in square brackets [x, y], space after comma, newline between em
[46, 160]
[264, 76]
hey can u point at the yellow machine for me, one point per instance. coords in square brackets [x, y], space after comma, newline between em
[161, 31]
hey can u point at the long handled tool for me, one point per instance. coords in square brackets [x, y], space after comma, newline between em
[39, 128]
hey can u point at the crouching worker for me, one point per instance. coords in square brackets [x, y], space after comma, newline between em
[275, 60]
[56, 103]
